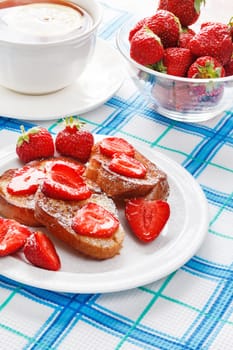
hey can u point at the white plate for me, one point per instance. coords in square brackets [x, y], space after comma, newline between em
[101, 79]
[137, 264]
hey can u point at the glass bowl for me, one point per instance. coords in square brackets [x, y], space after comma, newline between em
[182, 99]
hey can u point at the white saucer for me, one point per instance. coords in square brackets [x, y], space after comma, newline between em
[101, 79]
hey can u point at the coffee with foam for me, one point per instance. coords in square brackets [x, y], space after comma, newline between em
[39, 21]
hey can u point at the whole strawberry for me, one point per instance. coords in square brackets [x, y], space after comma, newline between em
[176, 61]
[166, 25]
[185, 36]
[137, 26]
[146, 47]
[35, 143]
[206, 67]
[230, 25]
[229, 67]
[188, 11]
[214, 40]
[74, 142]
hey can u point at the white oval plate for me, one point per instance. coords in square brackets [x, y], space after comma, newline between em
[99, 82]
[138, 263]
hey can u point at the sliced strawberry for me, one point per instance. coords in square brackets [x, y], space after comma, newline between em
[78, 167]
[112, 145]
[12, 236]
[25, 181]
[147, 218]
[127, 166]
[95, 221]
[40, 251]
[64, 182]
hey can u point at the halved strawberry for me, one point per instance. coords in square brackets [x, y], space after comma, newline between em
[95, 221]
[12, 236]
[112, 145]
[40, 251]
[127, 166]
[25, 181]
[64, 182]
[147, 218]
[78, 167]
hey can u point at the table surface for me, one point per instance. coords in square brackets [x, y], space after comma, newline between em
[191, 308]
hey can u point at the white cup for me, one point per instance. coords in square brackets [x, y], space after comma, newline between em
[47, 65]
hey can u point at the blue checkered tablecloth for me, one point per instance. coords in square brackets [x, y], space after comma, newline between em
[192, 308]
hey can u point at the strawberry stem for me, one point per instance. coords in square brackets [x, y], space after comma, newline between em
[25, 134]
[74, 122]
[197, 5]
[231, 22]
[23, 137]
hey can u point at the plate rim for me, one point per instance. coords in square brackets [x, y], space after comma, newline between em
[99, 282]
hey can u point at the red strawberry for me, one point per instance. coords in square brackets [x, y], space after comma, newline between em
[137, 26]
[206, 67]
[147, 218]
[229, 67]
[112, 145]
[12, 236]
[95, 221]
[25, 181]
[230, 24]
[166, 25]
[77, 166]
[146, 47]
[176, 61]
[65, 182]
[127, 166]
[40, 251]
[185, 36]
[187, 11]
[74, 142]
[213, 40]
[36, 143]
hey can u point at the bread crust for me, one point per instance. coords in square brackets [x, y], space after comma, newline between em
[119, 187]
[57, 215]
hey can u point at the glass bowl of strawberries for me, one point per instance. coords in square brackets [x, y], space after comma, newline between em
[187, 75]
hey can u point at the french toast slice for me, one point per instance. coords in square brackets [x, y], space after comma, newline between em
[56, 215]
[119, 187]
[21, 207]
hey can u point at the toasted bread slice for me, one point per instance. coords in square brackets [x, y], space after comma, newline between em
[21, 207]
[153, 186]
[56, 216]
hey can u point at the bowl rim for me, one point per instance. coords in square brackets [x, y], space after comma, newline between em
[154, 72]
[80, 37]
